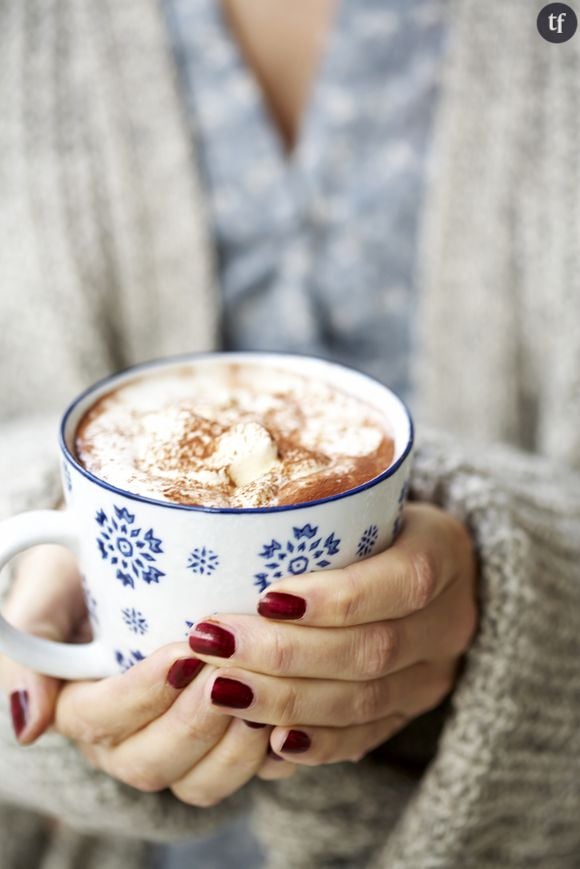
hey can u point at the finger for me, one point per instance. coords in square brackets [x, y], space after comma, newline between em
[275, 768]
[357, 653]
[46, 597]
[432, 550]
[110, 710]
[45, 600]
[320, 702]
[235, 760]
[322, 745]
[164, 751]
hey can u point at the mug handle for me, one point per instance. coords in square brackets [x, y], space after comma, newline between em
[63, 660]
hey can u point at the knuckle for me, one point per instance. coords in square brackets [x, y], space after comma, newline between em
[79, 726]
[280, 654]
[424, 579]
[377, 650]
[92, 755]
[348, 599]
[192, 796]
[195, 731]
[232, 758]
[287, 711]
[79, 717]
[137, 776]
[367, 702]
[144, 706]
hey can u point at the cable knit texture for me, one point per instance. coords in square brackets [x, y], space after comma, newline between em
[105, 261]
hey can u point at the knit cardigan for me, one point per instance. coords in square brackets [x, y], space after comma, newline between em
[105, 260]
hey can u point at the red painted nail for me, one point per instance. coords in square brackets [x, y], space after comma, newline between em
[255, 725]
[211, 639]
[19, 708]
[297, 741]
[271, 753]
[276, 605]
[230, 692]
[183, 671]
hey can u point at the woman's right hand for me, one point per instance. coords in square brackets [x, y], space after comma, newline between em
[149, 727]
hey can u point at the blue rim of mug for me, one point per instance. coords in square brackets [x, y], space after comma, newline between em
[168, 361]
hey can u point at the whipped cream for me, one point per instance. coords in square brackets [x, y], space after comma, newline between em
[237, 435]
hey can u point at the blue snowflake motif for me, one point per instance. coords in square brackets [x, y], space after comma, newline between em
[131, 550]
[90, 602]
[397, 524]
[135, 621]
[203, 561]
[403, 493]
[126, 661]
[66, 476]
[300, 554]
[367, 542]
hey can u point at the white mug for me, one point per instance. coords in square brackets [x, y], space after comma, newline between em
[151, 569]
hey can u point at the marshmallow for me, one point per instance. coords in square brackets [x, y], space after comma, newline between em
[247, 451]
[235, 436]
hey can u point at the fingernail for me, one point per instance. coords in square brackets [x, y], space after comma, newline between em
[276, 605]
[255, 725]
[271, 753]
[230, 692]
[297, 741]
[211, 639]
[183, 671]
[19, 708]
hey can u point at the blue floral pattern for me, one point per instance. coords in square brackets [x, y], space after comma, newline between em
[367, 541]
[399, 518]
[135, 621]
[403, 493]
[66, 476]
[203, 561]
[90, 602]
[304, 551]
[131, 550]
[129, 659]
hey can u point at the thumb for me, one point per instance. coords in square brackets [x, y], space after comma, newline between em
[46, 599]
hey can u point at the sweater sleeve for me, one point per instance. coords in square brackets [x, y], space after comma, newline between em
[50, 776]
[29, 471]
[502, 788]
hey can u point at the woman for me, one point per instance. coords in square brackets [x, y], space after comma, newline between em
[110, 218]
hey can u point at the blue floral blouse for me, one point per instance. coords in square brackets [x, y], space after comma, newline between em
[316, 250]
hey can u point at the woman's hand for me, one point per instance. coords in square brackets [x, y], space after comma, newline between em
[151, 727]
[344, 658]
[46, 600]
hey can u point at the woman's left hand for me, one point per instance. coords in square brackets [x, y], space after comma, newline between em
[344, 658]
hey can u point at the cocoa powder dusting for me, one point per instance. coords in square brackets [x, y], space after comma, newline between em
[162, 442]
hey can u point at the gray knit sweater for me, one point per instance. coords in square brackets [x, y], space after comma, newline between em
[105, 260]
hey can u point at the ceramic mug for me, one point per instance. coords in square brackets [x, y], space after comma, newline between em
[151, 568]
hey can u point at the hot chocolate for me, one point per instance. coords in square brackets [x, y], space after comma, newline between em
[235, 436]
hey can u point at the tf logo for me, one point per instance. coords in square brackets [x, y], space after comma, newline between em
[557, 22]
